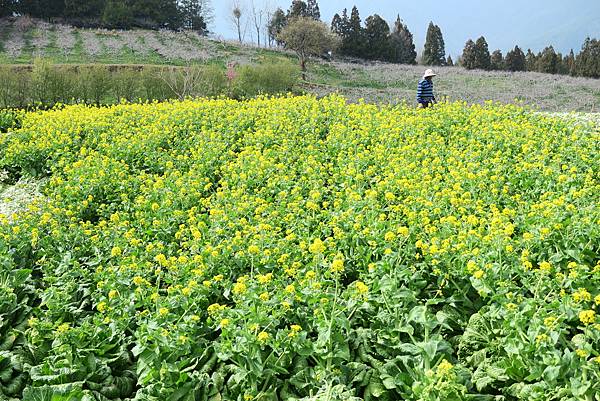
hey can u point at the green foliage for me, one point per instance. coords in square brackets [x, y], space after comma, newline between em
[288, 249]
[276, 24]
[47, 84]
[587, 63]
[7, 7]
[268, 78]
[313, 10]
[515, 60]
[307, 37]
[377, 33]
[531, 61]
[298, 9]
[354, 40]
[402, 45]
[434, 52]
[10, 119]
[548, 61]
[172, 14]
[497, 61]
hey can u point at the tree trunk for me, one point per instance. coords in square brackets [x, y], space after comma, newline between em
[303, 67]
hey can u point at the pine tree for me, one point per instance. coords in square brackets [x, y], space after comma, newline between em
[298, 9]
[7, 7]
[313, 10]
[569, 62]
[434, 52]
[530, 61]
[41, 8]
[377, 32]
[497, 61]
[91, 9]
[482, 54]
[587, 62]
[402, 45]
[356, 43]
[117, 15]
[449, 61]
[469, 56]
[192, 15]
[276, 24]
[548, 61]
[515, 60]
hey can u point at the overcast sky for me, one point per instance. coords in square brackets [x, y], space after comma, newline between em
[529, 23]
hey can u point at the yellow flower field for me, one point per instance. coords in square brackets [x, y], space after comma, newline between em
[301, 248]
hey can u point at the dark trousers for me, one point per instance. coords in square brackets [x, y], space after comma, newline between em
[425, 104]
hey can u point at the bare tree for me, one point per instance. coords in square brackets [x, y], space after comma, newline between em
[257, 20]
[181, 81]
[236, 19]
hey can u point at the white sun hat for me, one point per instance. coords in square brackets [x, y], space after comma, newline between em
[429, 73]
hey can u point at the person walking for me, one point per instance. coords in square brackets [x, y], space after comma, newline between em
[425, 96]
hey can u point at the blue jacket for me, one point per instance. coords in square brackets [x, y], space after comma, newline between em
[425, 91]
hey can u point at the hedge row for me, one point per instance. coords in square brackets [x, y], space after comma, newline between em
[45, 84]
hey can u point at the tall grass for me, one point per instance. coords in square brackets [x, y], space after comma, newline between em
[44, 84]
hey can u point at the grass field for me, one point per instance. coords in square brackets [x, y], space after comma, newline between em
[23, 40]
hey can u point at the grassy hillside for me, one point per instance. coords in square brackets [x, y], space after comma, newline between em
[22, 40]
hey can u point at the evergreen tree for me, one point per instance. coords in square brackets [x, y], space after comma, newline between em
[156, 13]
[515, 60]
[337, 25]
[402, 45]
[587, 63]
[569, 63]
[41, 8]
[530, 61]
[298, 9]
[469, 56]
[548, 61]
[482, 54]
[117, 15]
[276, 24]
[377, 32]
[497, 60]
[434, 52]
[7, 7]
[449, 61]
[313, 10]
[356, 42]
[91, 9]
[561, 67]
[192, 15]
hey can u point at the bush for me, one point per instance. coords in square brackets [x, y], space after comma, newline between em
[126, 84]
[14, 87]
[46, 84]
[270, 78]
[94, 84]
[211, 81]
[50, 85]
[152, 86]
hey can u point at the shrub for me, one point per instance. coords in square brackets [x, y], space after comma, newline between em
[94, 84]
[126, 84]
[50, 85]
[211, 81]
[14, 87]
[269, 78]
